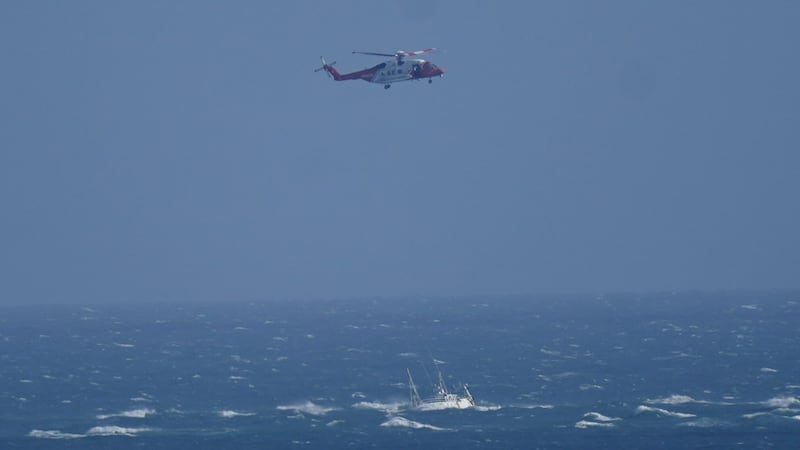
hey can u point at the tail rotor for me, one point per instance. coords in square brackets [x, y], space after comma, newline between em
[325, 67]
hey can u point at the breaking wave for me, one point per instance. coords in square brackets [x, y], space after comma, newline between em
[388, 408]
[485, 408]
[308, 407]
[403, 422]
[115, 431]
[583, 424]
[782, 402]
[229, 414]
[597, 417]
[54, 434]
[645, 409]
[94, 431]
[139, 413]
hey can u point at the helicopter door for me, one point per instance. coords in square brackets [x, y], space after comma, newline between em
[416, 71]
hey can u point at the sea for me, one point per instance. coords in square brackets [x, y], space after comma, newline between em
[711, 370]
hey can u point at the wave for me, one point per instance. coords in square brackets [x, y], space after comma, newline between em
[94, 431]
[114, 431]
[388, 408]
[307, 408]
[139, 413]
[643, 409]
[54, 434]
[229, 414]
[674, 399]
[782, 402]
[599, 417]
[485, 408]
[705, 422]
[535, 406]
[584, 424]
[403, 422]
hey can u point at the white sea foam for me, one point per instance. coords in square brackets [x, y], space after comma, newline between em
[644, 409]
[403, 422]
[54, 434]
[769, 370]
[115, 431]
[388, 408]
[536, 406]
[754, 415]
[796, 417]
[704, 422]
[588, 424]
[674, 399]
[782, 402]
[333, 423]
[139, 413]
[484, 408]
[307, 408]
[118, 344]
[596, 416]
[229, 414]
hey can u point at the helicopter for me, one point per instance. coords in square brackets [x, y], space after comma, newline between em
[391, 71]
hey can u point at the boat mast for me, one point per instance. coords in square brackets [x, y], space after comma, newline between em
[415, 399]
[442, 384]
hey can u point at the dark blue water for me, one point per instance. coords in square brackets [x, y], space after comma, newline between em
[692, 370]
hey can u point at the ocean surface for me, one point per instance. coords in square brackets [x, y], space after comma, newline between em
[686, 370]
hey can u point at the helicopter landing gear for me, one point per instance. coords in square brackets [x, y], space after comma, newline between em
[387, 86]
[430, 80]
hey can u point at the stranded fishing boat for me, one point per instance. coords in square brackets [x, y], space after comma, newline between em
[443, 399]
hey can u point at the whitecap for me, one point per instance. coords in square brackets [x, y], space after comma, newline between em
[333, 423]
[769, 370]
[382, 407]
[54, 434]
[229, 414]
[782, 402]
[484, 408]
[663, 412]
[674, 399]
[536, 406]
[307, 408]
[114, 431]
[584, 424]
[403, 422]
[596, 416]
[118, 344]
[139, 413]
[704, 422]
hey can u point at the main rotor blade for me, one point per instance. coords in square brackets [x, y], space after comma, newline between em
[419, 52]
[375, 54]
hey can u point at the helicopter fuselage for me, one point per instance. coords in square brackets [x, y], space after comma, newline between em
[391, 71]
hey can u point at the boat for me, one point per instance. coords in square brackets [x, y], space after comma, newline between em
[444, 399]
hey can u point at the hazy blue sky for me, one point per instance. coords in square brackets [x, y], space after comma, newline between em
[186, 150]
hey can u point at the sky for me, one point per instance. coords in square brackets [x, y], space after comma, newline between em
[186, 151]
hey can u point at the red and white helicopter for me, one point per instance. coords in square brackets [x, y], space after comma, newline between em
[392, 71]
